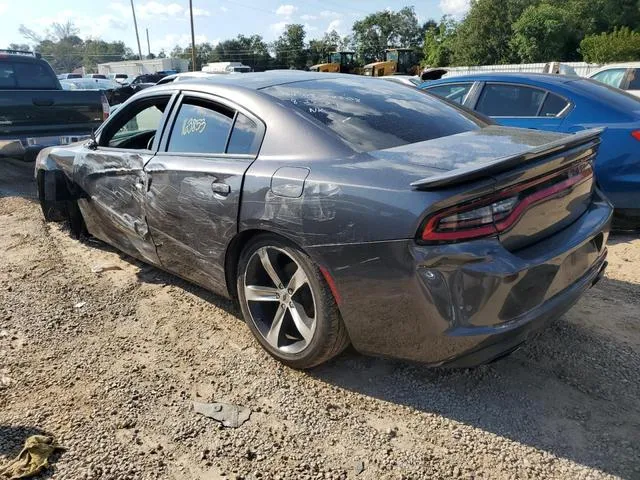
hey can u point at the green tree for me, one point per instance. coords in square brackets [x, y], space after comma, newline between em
[381, 30]
[290, 48]
[252, 51]
[439, 41]
[25, 47]
[621, 45]
[484, 36]
[545, 33]
[319, 48]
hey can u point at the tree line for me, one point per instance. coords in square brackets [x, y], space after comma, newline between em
[492, 32]
[530, 31]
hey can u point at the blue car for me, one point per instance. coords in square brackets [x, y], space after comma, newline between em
[567, 104]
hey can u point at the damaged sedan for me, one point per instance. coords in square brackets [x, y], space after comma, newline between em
[340, 210]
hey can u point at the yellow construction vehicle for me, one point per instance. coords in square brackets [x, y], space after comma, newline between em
[397, 60]
[337, 62]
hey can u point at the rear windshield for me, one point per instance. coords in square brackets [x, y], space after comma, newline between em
[612, 96]
[27, 75]
[371, 115]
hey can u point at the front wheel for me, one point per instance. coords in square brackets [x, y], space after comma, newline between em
[287, 303]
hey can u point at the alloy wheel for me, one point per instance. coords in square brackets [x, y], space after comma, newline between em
[280, 299]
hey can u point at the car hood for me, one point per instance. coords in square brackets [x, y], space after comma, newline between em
[400, 166]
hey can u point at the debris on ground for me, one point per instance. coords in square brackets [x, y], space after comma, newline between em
[79, 304]
[104, 268]
[229, 415]
[359, 467]
[32, 459]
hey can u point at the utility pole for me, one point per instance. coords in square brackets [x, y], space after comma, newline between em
[135, 24]
[148, 45]
[193, 38]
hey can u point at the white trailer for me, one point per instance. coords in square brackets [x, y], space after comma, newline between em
[133, 68]
[226, 67]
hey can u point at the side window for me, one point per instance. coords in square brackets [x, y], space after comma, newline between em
[200, 127]
[136, 127]
[502, 100]
[244, 136]
[613, 76]
[454, 93]
[553, 105]
[7, 76]
[634, 79]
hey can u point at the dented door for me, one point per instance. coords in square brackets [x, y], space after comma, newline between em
[195, 182]
[113, 186]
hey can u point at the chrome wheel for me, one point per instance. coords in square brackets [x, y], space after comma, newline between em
[280, 300]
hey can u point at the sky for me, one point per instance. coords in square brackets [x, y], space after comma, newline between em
[215, 20]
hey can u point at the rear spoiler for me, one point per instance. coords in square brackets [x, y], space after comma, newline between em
[470, 173]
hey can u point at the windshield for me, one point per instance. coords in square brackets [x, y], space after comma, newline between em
[620, 100]
[392, 56]
[367, 118]
[334, 58]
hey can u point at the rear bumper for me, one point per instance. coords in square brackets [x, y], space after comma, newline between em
[467, 303]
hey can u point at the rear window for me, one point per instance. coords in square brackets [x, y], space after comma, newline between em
[370, 115]
[620, 100]
[27, 76]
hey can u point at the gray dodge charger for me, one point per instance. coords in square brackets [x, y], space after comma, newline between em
[341, 210]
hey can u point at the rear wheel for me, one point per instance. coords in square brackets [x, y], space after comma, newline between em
[287, 304]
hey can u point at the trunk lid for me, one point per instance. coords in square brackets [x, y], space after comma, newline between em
[547, 178]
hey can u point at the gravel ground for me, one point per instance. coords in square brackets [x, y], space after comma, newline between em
[109, 363]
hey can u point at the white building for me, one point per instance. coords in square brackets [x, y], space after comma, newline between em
[138, 67]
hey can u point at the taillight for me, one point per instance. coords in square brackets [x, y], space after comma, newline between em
[105, 107]
[636, 134]
[498, 212]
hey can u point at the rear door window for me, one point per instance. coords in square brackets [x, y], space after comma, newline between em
[455, 92]
[613, 76]
[553, 105]
[201, 127]
[244, 137]
[505, 100]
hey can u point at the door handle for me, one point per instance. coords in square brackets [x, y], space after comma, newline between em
[221, 188]
[43, 102]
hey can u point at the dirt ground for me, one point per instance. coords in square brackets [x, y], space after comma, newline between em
[110, 362]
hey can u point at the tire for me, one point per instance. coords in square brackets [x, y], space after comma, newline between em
[311, 330]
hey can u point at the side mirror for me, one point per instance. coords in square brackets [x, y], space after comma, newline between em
[92, 144]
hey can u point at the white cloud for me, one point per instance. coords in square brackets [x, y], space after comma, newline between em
[286, 10]
[88, 26]
[224, 9]
[151, 10]
[157, 9]
[278, 28]
[3, 8]
[308, 17]
[457, 8]
[310, 28]
[198, 12]
[334, 25]
[329, 14]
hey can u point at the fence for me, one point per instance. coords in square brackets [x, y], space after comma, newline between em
[581, 68]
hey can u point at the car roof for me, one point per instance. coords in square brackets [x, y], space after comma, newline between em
[260, 80]
[506, 77]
